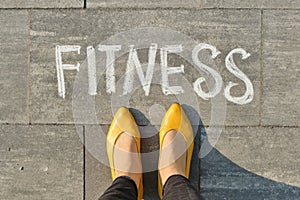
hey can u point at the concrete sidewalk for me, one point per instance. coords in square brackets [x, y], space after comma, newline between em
[42, 151]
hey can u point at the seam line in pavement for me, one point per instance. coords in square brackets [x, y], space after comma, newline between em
[279, 9]
[83, 185]
[261, 69]
[28, 67]
[153, 9]
[205, 126]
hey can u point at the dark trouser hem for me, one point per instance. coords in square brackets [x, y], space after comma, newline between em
[122, 188]
[178, 187]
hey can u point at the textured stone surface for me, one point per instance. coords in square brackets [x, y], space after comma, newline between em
[40, 162]
[50, 28]
[41, 4]
[97, 177]
[252, 163]
[97, 171]
[250, 4]
[144, 4]
[13, 66]
[49, 162]
[281, 71]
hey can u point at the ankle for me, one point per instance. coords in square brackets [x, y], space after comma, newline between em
[172, 159]
[126, 158]
[167, 172]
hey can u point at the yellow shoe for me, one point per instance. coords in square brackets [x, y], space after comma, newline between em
[176, 119]
[123, 122]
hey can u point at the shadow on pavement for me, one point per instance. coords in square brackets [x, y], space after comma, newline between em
[215, 175]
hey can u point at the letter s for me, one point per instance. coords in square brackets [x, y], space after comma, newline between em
[217, 77]
[231, 66]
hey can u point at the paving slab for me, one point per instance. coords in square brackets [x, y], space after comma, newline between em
[14, 66]
[143, 4]
[250, 4]
[41, 4]
[40, 162]
[281, 84]
[225, 29]
[247, 163]
[97, 171]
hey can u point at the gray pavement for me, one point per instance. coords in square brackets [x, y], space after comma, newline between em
[49, 151]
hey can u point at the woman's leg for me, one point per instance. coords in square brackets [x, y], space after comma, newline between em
[179, 187]
[122, 188]
[172, 166]
[128, 169]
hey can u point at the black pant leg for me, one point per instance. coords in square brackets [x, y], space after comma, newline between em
[122, 188]
[178, 187]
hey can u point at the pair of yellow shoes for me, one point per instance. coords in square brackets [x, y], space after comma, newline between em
[175, 119]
